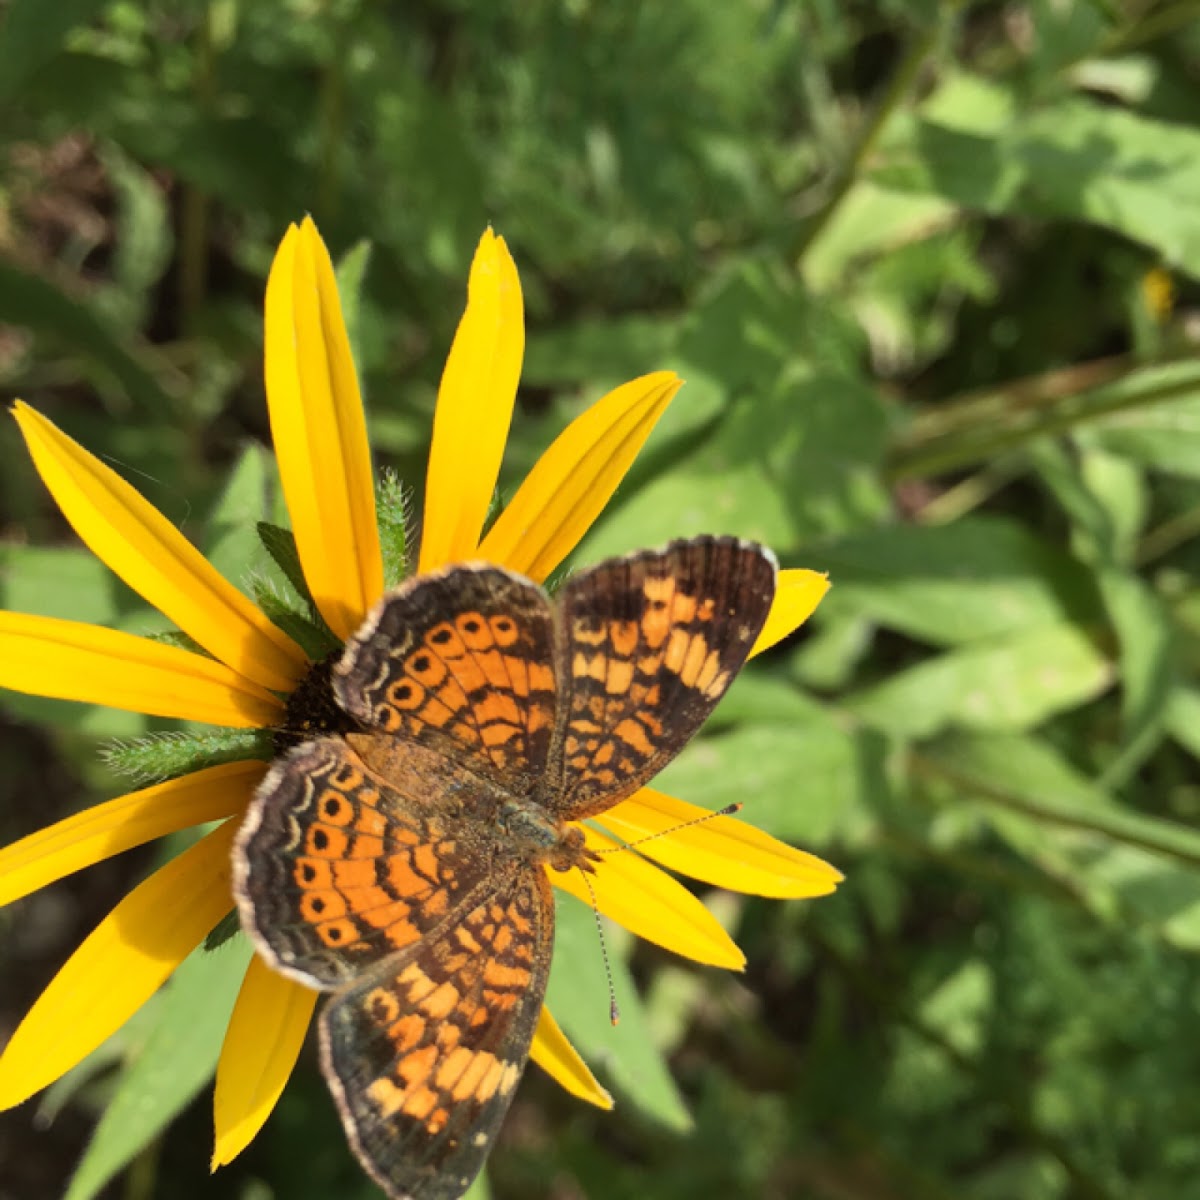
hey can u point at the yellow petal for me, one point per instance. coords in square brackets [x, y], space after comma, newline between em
[135, 540]
[264, 1039]
[320, 432]
[68, 660]
[474, 407]
[559, 1059]
[797, 595]
[722, 850]
[573, 481]
[120, 966]
[651, 904]
[106, 829]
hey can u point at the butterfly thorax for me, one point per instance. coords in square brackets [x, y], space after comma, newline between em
[538, 836]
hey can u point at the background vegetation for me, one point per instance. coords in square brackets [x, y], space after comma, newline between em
[930, 271]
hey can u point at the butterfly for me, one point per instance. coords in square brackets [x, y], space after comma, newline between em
[403, 866]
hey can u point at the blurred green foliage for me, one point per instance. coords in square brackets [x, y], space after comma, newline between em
[930, 271]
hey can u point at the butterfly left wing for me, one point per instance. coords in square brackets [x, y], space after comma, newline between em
[460, 660]
[423, 1054]
[647, 645]
[353, 850]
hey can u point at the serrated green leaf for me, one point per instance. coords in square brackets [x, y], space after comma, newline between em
[179, 1056]
[578, 997]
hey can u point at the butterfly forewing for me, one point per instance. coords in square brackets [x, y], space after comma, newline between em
[461, 660]
[337, 866]
[647, 645]
[424, 1057]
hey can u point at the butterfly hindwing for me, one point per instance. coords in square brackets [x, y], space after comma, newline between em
[423, 1054]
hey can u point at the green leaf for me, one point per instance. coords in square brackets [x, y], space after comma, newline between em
[1010, 683]
[1183, 718]
[179, 1056]
[230, 543]
[1147, 661]
[143, 242]
[1076, 159]
[870, 221]
[280, 544]
[972, 580]
[578, 997]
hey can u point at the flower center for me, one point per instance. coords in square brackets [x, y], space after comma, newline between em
[312, 709]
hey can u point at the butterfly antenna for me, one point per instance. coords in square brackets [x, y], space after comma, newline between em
[727, 811]
[614, 1013]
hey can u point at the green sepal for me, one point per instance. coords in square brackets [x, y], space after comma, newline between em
[225, 930]
[280, 544]
[310, 633]
[394, 505]
[159, 756]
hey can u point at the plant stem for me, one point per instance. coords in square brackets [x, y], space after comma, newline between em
[900, 85]
[953, 452]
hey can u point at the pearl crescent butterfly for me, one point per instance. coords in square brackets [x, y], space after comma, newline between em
[403, 866]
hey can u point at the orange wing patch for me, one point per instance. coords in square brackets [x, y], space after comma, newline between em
[348, 868]
[650, 643]
[459, 660]
[424, 1062]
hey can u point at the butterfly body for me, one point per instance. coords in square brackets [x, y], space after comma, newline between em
[403, 867]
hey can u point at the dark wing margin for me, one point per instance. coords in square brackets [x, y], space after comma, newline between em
[337, 866]
[647, 645]
[462, 659]
[424, 1054]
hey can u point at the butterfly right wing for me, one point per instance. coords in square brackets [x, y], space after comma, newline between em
[647, 646]
[343, 859]
[423, 1054]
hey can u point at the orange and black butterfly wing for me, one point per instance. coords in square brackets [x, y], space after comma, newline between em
[423, 1054]
[461, 660]
[647, 645]
[344, 859]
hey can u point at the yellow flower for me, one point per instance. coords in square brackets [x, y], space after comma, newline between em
[249, 666]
